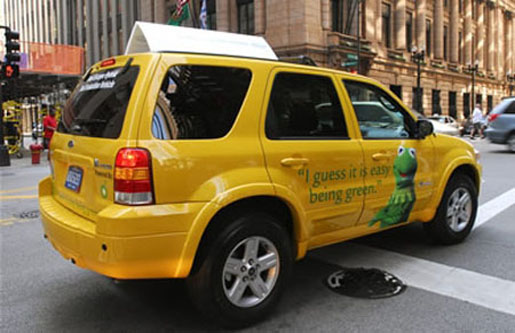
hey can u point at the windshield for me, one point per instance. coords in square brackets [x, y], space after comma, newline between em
[98, 105]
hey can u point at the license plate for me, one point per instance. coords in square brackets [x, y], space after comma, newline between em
[73, 179]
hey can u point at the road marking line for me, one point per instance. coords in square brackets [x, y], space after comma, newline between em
[479, 289]
[21, 189]
[8, 221]
[11, 197]
[495, 206]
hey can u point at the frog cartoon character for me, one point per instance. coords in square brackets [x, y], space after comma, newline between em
[403, 197]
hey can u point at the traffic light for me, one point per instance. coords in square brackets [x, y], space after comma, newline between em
[9, 68]
[10, 71]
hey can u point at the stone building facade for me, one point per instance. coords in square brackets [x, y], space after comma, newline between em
[455, 35]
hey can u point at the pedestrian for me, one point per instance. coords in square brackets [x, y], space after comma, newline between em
[49, 127]
[477, 121]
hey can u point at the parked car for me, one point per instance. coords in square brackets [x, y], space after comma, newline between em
[222, 170]
[501, 124]
[441, 126]
[445, 120]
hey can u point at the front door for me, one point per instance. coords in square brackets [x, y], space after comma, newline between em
[397, 168]
[311, 155]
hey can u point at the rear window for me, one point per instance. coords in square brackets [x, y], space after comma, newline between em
[98, 104]
[199, 102]
[506, 106]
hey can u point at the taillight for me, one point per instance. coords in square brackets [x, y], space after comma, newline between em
[133, 177]
[492, 117]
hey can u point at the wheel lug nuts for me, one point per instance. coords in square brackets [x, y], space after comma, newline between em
[245, 279]
[243, 268]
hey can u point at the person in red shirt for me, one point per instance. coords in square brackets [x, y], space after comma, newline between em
[49, 127]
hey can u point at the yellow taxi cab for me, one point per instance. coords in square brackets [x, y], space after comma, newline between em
[224, 169]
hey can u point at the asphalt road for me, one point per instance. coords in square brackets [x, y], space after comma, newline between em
[467, 287]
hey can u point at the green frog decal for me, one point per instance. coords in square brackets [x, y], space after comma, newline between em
[403, 197]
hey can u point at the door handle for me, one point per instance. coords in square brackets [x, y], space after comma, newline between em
[381, 156]
[294, 161]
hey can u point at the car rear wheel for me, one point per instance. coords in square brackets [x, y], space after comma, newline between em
[245, 268]
[511, 143]
[457, 212]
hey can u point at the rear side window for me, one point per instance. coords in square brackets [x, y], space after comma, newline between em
[304, 106]
[199, 102]
[98, 104]
[506, 106]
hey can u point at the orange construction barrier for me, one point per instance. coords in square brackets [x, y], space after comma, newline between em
[50, 58]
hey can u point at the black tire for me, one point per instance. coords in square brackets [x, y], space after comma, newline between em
[511, 143]
[440, 228]
[208, 282]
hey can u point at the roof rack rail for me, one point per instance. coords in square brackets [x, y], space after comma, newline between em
[302, 59]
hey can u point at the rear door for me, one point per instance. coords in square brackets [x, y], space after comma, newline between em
[97, 122]
[311, 156]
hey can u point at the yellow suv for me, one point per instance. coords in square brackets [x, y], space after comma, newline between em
[224, 170]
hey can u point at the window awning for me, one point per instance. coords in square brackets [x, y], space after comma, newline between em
[152, 37]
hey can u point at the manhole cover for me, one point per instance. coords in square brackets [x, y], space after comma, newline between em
[365, 283]
[33, 214]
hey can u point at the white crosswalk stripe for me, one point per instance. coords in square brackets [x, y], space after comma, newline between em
[487, 291]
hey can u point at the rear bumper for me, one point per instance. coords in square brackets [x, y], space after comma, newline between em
[135, 254]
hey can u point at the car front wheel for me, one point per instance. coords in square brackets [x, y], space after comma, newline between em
[457, 212]
[242, 275]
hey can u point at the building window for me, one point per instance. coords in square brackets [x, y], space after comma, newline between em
[245, 16]
[211, 14]
[460, 5]
[409, 31]
[453, 109]
[386, 24]
[344, 15]
[445, 43]
[436, 108]
[415, 99]
[428, 37]
[397, 90]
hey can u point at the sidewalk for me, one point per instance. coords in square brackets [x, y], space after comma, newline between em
[26, 160]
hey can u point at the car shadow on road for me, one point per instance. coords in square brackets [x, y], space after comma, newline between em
[163, 305]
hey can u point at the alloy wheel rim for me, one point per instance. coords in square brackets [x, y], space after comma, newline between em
[250, 271]
[459, 209]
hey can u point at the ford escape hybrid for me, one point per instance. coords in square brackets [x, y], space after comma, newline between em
[224, 169]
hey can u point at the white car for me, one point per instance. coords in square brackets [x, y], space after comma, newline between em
[444, 120]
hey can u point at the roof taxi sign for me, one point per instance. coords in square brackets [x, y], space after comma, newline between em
[151, 37]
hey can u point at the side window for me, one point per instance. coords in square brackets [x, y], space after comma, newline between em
[304, 106]
[379, 116]
[199, 102]
[511, 108]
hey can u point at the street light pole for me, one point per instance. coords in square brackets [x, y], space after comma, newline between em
[359, 37]
[418, 57]
[510, 78]
[473, 70]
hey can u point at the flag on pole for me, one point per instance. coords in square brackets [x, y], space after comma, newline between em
[203, 15]
[180, 6]
[181, 13]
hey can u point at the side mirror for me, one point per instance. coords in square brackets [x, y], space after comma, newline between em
[424, 128]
